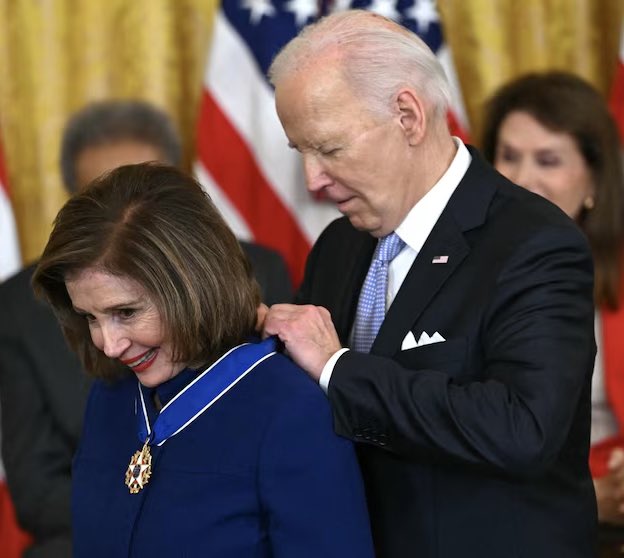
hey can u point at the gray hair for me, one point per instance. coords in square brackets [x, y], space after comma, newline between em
[378, 57]
[114, 121]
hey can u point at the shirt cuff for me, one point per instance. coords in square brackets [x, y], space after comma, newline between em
[328, 369]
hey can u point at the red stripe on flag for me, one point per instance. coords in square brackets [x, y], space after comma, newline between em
[233, 167]
[617, 98]
[456, 128]
[13, 541]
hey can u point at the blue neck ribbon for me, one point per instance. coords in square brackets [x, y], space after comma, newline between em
[203, 392]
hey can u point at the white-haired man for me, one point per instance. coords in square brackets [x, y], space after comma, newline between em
[448, 315]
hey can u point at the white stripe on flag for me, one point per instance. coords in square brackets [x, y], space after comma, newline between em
[10, 260]
[228, 210]
[248, 102]
[457, 102]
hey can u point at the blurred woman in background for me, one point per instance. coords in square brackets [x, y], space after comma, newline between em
[552, 134]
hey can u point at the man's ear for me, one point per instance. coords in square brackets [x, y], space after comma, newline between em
[412, 116]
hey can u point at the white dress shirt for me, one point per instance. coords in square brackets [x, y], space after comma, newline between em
[414, 231]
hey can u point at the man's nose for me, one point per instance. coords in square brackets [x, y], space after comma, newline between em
[315, 174]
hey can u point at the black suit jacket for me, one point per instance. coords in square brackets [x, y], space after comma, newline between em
[477, 446]
[42, 396]
[270, 270]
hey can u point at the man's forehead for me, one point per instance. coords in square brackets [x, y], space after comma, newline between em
[317, 88]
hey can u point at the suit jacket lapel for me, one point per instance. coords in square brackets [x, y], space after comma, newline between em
[466, 209]
[421, 284]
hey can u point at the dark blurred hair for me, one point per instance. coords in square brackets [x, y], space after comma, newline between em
[565, 103]
[113, 121]
[156, 226]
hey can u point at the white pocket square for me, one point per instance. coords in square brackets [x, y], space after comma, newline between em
[410, 341]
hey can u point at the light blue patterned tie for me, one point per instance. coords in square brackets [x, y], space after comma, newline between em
[371, 308]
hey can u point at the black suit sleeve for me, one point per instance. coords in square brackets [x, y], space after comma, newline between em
[36, 454]
[508, 396]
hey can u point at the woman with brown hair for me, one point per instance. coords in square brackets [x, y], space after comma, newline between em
[222, 447]
[552, 133]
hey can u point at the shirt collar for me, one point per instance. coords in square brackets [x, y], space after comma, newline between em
[421, 219]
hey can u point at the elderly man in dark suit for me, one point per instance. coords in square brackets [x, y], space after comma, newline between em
[42, 387]
[449, 314]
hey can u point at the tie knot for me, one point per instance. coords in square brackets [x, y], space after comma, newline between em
[388, 247]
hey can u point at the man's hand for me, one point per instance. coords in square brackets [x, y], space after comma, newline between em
[307, 332]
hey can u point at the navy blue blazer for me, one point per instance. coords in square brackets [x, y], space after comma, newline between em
[478, 446]
[259, 474]
[39, 439]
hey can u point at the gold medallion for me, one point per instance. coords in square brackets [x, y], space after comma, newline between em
[139, 470]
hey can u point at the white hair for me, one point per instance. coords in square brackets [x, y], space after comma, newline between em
[377, 58]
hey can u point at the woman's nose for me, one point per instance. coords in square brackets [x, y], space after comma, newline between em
[525, 176]
[114, 341]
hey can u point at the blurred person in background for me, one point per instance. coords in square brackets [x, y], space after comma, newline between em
[552, 134]
[42, 386]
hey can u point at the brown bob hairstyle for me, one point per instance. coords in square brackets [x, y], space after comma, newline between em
[565, 103]
[154, 225]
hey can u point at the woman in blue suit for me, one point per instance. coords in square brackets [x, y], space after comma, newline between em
[199, 440]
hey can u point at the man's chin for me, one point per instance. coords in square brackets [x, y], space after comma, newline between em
[363, 225]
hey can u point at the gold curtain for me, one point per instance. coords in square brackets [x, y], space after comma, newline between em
[493, 41]
[56, 55]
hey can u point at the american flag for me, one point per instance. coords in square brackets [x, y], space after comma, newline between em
[13, 541]
[617, 91]
[9, 248]
[242, 155]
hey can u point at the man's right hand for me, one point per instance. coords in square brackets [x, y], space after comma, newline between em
[307, 332]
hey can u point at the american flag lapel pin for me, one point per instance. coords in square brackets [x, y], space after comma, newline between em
[440, 260]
